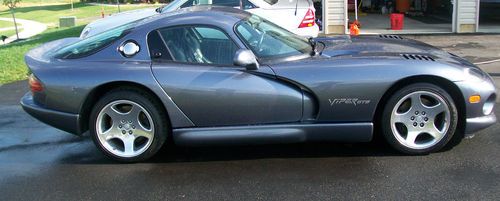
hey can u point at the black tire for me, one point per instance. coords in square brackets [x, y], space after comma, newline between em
[150, 104]
[390, 136]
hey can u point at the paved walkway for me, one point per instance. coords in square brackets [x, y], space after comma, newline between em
[31, 28]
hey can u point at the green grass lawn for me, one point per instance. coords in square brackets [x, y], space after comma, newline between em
[12, 66]
[6, 24]
[50, 14]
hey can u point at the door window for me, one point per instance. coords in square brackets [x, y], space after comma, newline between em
[196, 44]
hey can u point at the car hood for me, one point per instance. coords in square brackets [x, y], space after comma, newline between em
[387, 46]
[116, 20]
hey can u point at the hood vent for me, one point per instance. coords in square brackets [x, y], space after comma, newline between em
[417, 57]
[391, 37]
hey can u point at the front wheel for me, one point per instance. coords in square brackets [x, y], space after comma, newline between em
[128, 125]
[419, 119]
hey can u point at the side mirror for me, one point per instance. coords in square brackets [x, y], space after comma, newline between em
[246, 58]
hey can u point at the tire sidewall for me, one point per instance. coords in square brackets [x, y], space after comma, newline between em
[398, 95]
[158, 117]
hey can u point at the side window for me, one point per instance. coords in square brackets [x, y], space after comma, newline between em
[199, 44]
[248, 5]
[157, 49]
[230, 3]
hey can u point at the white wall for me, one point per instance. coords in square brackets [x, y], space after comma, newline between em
[335, 12]
[467, 16]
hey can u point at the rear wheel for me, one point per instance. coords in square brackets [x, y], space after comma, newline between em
[128, 125]
[419, 119]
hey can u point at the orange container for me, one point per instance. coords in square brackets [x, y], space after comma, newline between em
[403, 6]
[397, 21]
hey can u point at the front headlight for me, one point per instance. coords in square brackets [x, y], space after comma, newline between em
[474, 74]
[85, 32]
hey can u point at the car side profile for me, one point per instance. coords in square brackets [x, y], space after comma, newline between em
[208, 75]
[297, 16]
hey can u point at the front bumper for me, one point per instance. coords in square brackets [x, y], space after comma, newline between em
[479, 123]
[476, 117]
[65, 121]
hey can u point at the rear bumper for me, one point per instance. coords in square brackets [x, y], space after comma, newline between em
[65, 121]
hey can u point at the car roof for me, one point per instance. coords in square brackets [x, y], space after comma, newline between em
[215, 14]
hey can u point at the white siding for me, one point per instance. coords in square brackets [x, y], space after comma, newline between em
[467, 12]
[335, 12]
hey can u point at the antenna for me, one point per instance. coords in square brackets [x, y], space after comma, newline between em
[296, 5]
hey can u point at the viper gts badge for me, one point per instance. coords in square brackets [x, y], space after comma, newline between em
[348, 101]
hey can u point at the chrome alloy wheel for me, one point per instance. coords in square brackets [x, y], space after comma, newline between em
[124, 128]
[420, 119]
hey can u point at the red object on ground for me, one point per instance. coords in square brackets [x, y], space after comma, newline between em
[397, 21]
[354, 30]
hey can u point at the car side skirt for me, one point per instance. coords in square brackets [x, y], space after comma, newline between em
[274, 134]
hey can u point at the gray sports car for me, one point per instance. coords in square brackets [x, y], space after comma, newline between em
[214, 75]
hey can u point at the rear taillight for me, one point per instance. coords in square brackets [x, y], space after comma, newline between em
[308, 20]
[35, 84]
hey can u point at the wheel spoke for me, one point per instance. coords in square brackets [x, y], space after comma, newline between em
[416, 102]
[141, 132]
[111, 133]
[128, 143]
[411, 137]
[434, 132]
[435, 110]
[113, 113]
[134, 113]
[401, 117]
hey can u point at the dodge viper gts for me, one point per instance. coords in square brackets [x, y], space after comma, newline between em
[215, 75]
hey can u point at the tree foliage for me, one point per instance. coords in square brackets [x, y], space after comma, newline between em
[11, 3]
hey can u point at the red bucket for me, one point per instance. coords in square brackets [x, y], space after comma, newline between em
[397, 21]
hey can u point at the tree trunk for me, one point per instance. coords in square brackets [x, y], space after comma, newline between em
[15, 24]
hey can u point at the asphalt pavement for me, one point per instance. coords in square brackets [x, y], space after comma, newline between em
[38, 162]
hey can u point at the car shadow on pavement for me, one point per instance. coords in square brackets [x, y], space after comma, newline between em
[171, 153]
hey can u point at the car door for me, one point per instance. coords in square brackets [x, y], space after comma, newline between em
[193, 64]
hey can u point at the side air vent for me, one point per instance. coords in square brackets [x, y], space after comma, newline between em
[417, 57]
[390, 37]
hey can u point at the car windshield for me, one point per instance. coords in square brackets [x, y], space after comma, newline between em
[94, 43]
[268, 40]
